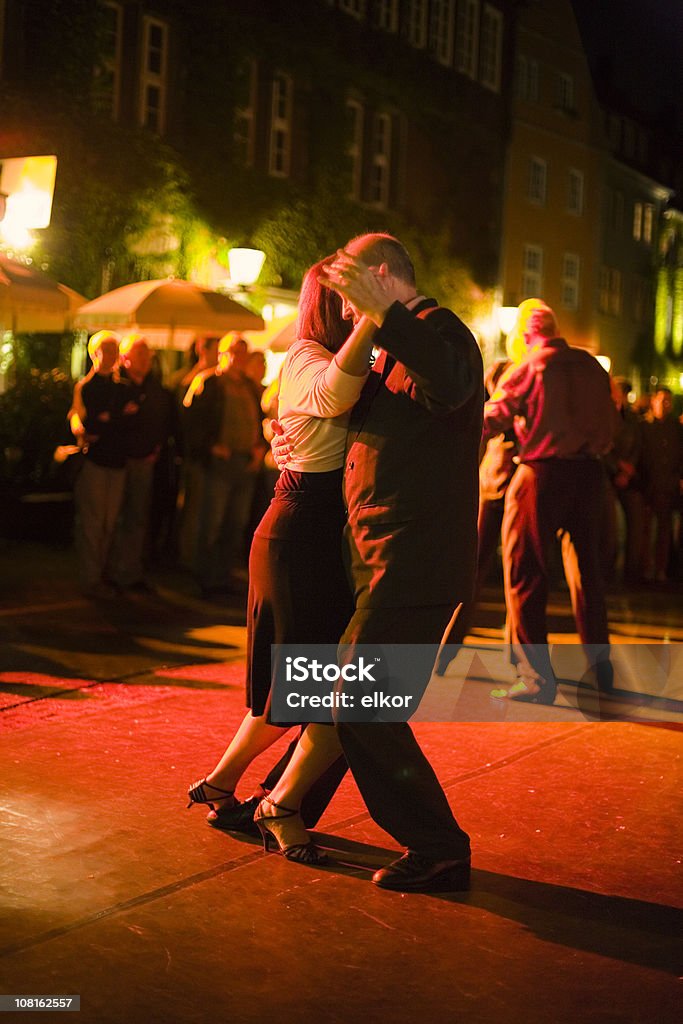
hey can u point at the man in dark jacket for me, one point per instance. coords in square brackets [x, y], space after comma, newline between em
[411, 488]
[144, 436]
[97, 415]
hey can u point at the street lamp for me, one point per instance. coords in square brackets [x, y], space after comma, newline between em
[506, 318]
[245, 266]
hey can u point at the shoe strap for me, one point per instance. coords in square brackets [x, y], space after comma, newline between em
[199, 788]
[289, 811]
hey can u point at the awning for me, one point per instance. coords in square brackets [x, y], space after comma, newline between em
[32, 301]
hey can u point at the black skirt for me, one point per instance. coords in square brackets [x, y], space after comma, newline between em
[298, 587]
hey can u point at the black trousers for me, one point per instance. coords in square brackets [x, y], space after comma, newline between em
[395, 779]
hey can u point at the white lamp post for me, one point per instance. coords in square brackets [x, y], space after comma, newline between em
[245, 266]
[506, 318]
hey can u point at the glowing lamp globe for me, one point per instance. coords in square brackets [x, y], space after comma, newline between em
[245, 266]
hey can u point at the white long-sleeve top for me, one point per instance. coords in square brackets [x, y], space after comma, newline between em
[315, 399]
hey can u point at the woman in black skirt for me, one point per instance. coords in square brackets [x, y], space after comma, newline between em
[298, 589]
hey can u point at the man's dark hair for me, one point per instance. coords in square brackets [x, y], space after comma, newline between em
[379, 248]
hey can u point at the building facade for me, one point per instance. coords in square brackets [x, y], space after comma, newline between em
[182, 129]
[554, 174]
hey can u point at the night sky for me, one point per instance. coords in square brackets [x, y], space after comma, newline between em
[642, 42]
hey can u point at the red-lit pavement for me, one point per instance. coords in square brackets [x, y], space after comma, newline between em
[113, 891]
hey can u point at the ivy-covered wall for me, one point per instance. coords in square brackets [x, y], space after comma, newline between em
[129, 205]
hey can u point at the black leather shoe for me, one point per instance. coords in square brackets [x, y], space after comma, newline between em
[415, 873]
[238, 818]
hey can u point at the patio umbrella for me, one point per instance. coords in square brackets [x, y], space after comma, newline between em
[277, 336]
[174, 311]
[32, 301]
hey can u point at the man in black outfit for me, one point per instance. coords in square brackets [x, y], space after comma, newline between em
[99, 410]
[143, 438]
[411, 489]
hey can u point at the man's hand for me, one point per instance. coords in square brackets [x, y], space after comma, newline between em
[280, 445]
[368, 289]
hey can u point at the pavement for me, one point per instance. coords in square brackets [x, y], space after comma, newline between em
[113, 891]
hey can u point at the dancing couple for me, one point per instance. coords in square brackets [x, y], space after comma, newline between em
[371, 538]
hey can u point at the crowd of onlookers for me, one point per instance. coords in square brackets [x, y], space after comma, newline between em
[183, 471]
[180, 471]
[644, 471]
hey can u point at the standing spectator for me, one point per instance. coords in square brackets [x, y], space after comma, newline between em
[145, 435]
[99, 405]
[162, 539]
[496, 469]
[662, 471]
[625, 487]
[201, 414]
[558, 401]
[641, 407]
[203, 355]
[261, 482]
[228, 493]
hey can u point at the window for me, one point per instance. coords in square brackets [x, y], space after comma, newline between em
[643, 146]
[245, 115]
[641, 299]
[280, 127]
[442, 31]
[609, 300]
[380, 171]
[537, 181]
[575, 192]
[570, 280]
[467, 37]
[108, 74]
[618, 213]
[355, 147]
[532, 272]
[386, 13]
[526, 79]
[534, 91]
[354, 7]
[417, 23]
[648, 221]
[153, 76]
[637, 221]
[491, 47]
[565, 99]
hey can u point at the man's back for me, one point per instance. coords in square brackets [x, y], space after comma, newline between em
[411, 481]
[561, 398]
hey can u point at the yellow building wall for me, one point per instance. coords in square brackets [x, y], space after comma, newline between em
[564, 140]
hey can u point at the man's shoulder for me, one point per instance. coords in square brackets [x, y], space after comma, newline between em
[445, 320]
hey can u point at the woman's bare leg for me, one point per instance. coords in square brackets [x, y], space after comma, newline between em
[254, 735]
[318, 748]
